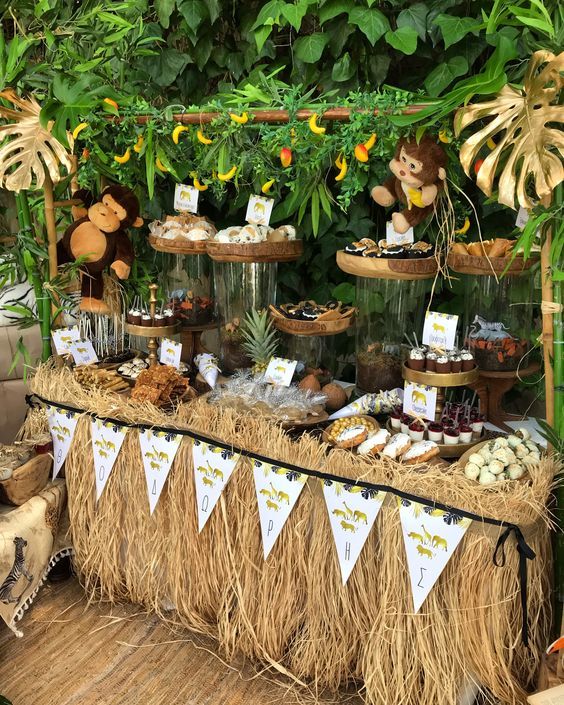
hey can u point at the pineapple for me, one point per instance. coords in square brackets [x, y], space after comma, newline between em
[259, 339]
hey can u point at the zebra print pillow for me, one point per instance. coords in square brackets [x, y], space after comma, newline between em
[12, 296]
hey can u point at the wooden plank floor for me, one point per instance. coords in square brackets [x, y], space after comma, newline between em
[74, 654]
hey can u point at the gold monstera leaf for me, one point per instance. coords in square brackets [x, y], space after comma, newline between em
[27, 149]
[523, 126]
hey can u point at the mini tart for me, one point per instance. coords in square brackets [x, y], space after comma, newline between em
[351, 436]
[398, 445]
[374, 443]
[420, 452]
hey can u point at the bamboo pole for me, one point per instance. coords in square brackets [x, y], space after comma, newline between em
[547, 323]
[273, 116]
[51, 225]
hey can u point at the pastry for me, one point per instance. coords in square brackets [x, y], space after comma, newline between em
[374, 443]
[351, 436]
[420, 452]
[397, 446]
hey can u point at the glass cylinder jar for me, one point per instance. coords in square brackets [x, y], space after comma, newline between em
[498, 318]
[387, 310]
[314, 351]
[188, 283]
[240, 287]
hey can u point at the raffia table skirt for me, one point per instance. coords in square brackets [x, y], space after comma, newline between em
[292, 612]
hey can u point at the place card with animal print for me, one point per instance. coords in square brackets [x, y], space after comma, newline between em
[439, 330]
[277, 489]
[158, 449]
[63, 338]
[280, 371]
[186, 198]
[420, 400]
[352, 513]
[430, 536]
[62, 425]
[83, 352]
[259, 210]
[107, 439]
[170, 352]
[213, 466]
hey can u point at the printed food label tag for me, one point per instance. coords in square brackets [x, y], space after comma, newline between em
[439, 330]
[170, 352]
[393, 238]
[186, 198]
[280, 371]
[522, 218]
[419, 400]
[83, 352]
[63, 338]
[259, 210]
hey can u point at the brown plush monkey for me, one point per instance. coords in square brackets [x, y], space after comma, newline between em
[419, 171]
[100, 237]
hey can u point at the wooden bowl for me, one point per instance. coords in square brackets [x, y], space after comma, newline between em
[27, 480]
[180, 246]
[309, 328]
[488, 266]
[383, 268]
[287, 251]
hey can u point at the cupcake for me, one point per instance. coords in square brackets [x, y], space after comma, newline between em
[431, 361]
[418, 250]
[417, 359]
[405, 420]
[159, 320]
[435, 431]
[146, 320]
[455, 363]
[442, 365]
[416, 431]
[467, 360]
[393, 252]
[134, 316]
[451, 436]
[465, 433]
[395, 419]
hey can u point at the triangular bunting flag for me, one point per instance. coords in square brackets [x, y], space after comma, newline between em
[158, 449]
[213, 466]
[430, 536]
[62, 425]
[107, 439]
[352, 513]
[278, 489]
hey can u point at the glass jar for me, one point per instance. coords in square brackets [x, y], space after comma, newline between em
[240, 287]
[187, 281]
[498, 318]
[314, 351]
[387, 310]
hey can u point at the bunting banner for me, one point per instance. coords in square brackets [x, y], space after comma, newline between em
[352, 513]
[213, 466]
[107, 439]
[278, 489]
[62, 425]
[158, 449]
[430, 536]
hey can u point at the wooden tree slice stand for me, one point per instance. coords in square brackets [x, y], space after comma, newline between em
[441, 381]
[179, 246]
[423, 268]
[311, 328]
[255, 252]
[488, 266]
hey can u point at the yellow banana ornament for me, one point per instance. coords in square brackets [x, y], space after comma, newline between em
[267, 186]
[202, 138]
[464, 228]
[199, 185]
[160, 166]
[314, 127]
[239, 119]
[78, 129]
[370, 142]
[138, 146]
[178, 130]
[443, 137]
[343, 168]
[228, 175]
[123, 158]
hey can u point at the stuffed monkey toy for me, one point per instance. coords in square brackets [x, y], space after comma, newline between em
[418, 174]
[99, 235]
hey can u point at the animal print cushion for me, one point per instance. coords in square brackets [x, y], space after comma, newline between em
[16, 294]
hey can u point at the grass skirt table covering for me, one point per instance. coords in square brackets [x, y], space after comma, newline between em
[292, 612]
[32, 540]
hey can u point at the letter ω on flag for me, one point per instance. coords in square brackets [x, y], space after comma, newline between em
[431, 536]
[107, 439]
[277, 489]
[62, 425]
[213, 466]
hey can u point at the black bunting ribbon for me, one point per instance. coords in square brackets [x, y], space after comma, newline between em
[523, 549]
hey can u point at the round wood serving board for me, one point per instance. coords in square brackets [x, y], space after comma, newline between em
[180, 246]
[287, 251]
[488, 266]
[309, 328]
[383, 268]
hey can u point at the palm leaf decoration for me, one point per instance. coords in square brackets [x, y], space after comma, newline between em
[28, 151]
[524, 127]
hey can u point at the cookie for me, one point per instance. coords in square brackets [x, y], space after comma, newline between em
[420, 452]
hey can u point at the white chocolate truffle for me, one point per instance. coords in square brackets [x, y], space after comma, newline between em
[487, 478]
[472, 471]
[515, 471]
[495, 467]
[477, 459]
